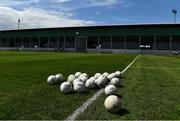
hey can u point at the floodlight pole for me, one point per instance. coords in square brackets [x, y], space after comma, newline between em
[174, 11]
[139, 45]
[174, 18]
[18, 23]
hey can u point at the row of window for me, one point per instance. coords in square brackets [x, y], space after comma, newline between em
[42, 42]
[105, 42]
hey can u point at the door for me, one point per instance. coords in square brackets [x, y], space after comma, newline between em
[81, 44]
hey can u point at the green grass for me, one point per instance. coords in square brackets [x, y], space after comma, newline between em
[150, 90]
[24, 93]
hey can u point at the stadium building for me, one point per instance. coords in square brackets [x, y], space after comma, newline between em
[149, 38]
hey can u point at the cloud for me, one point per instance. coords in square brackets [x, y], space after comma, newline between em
[18, 2]
[35, 18]
[61, 1]
[79, 4]
[105, 2]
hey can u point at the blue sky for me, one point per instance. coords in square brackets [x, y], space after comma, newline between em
[57, 13]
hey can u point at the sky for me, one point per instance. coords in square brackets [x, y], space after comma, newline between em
[64, 13]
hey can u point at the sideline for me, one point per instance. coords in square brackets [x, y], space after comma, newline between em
[156, 68]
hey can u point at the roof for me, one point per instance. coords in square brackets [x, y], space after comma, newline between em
[101, 26]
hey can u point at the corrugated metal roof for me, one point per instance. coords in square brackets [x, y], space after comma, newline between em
[102, 26]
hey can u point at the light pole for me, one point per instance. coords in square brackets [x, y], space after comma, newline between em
[19, 23]
[174, 11]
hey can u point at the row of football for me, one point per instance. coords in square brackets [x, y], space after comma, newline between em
[79, 82]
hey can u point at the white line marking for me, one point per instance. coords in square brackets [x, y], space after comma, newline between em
[86, 104]
[130, 64]
[156, 68]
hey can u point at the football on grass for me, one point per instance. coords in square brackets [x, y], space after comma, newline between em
[51, 79]
[66, 87]
[113, 103]
[110, 90]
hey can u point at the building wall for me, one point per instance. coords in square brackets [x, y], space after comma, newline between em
[109, 31]
[111, 39]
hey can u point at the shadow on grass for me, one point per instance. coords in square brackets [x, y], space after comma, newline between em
[72, 93]
[120, 86]
[120, 96]
[121, 77]
[122, 112]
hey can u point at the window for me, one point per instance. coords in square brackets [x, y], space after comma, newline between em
[162, 42]
[118, 42]
[147, 42]
[70, 42]
[53, 42]
[176, 42]
[43, 42]
[105, 42]
[92, 42]
[11, 42]
[132, 42]
[18, 42]
[26, 42]
[0, 42]
[61, 43]
[35, 42]
[4, 42]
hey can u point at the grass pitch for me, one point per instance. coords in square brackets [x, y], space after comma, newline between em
[150, 90]
[24, 92]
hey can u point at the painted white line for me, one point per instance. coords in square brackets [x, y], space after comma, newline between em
[86, 104]
[130, 65]
[167, 68]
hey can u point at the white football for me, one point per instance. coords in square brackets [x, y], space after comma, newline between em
[90, 83]
[66, 87]
[71, 78]
[96, 81]
[51, 79]
[83, 78]
[105, 74]
[77, 74]
[76, 81]
[118, 73]
[115, 81]
[93, 78]
[101, 81]
[111, 76]
[97, 75]
[110, 90]
[79, 87]
[84, 74]
[113, 103]
[59, 78]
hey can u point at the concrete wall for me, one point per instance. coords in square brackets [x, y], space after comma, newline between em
[28, 49]
[116, 51]
[113, 51]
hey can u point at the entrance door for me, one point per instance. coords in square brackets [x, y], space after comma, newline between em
[81, 44]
